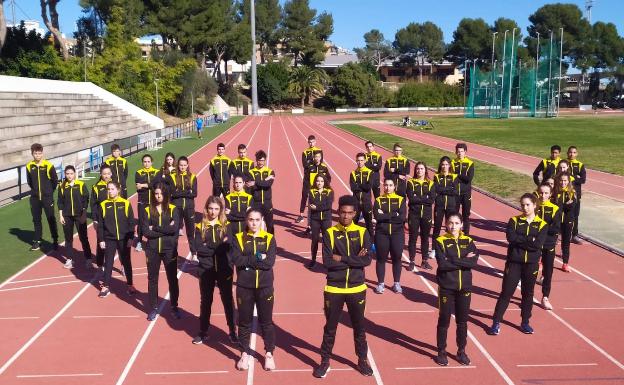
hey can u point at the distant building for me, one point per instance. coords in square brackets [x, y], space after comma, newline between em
[401, 70]
[336, 57]
[30, 25]
[148, 43]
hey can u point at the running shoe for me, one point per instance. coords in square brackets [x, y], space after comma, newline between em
[233, 337]
[426, 265]
[131, 290]
[269, 362]
[139, 247]
[462, 358]
[152, 315]
[546, 303]
[539, 280]
[397, 288]
[299, 219]
[243, 362]
[364, 367]
[380, 288]
[307, 231]
[321, 370]
[565, 268]
[441, 359]
[35, 246]
[526, 328]
[199, 339]
[431, 254]
[411, 267]
[494, 330]
[69, 264]
[576, 239]
[104, 292]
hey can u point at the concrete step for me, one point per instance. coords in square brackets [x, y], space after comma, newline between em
[45, 102]
[43, 95]
[24, 111]
[58, 117]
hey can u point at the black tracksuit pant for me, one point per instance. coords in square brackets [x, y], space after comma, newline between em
[419, 226]
[140, 209]
[99, 252]
[187, 221]
[517, 272]
[267, 212]
[317, 226]
[548, 264]
[450, 301]
[218, 190]
[334, 303]
[47, 205]
[68, 232]
[439, 214]
[305, 192]
[123, 250]
[154, 258]
[567, 229]
[577, 213]
[366, 210]
[465, 201]
[263, 299]
[376, 185]
[393, 245]
[208, 279]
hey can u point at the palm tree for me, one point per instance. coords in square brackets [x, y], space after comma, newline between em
[306, 82]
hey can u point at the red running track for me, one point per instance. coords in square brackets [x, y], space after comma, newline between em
[64, 334]
[599, 182]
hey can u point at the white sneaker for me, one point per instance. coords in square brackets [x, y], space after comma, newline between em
[69, 264]
[540, 280]
[546, 303]
[139, 247]
[243, 362]
[380, 288]
[269, 362]
[432, 254]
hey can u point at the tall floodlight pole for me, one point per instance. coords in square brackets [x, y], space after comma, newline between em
[550, 73]
[465, 80]
[560, 69]
[254, 76]
[511, 58]
[536, 96]
[503, 72]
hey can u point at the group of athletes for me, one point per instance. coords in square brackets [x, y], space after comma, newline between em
[235, 235]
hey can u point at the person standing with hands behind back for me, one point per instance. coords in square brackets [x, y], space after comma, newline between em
[42, 180]
[73, 200]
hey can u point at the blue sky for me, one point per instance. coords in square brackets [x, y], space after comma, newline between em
[352, 18]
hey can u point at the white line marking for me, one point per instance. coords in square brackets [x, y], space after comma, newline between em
[594, 308]
[252, 346]
[555, 365]
[59, 375]
[311, 313]
[400, 311]
[593, 280]
[436, 367]
[42, 279]
[178, 373]
[17, 318]
[309, 370]
[43, 285]
[104, 316]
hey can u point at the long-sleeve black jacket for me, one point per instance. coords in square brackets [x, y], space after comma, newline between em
[261, 191]
[454, 266]
[116, 220]
[568, 210]
[464, 168]
[393, 213]
[145, 176]
[547, 167]
[164, 228]
[323, 200]
[577, 169]
[446, 187]
[41, 179]
[550, 213]
[361, 182]
[184, 189]
[220, 170]
[73, 200]
[252, 271]
[421, 195]
[525, 239]
[213, 248]
[347, 275]
[119, 168]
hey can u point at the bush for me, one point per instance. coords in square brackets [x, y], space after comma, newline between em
[430, 94]
[354, 85]
[272, 84]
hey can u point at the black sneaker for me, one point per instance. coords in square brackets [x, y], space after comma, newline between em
[311, 264]
[411, 267]
[55, 245]
[35, 246]
[426, 265]
[307, 231]
[104, 293]
[299, 219]
[462, 358]
[152, 315]
[233, 337]
[364, 367]
[321, 370]
[198, 340]
[175, 312]
[441, 359]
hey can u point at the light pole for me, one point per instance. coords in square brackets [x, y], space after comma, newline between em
[549, 75]
[511, 60]
[493, 46]
[254, 76]
[503, 72]
[560, 68]
[536, 96]
[157, 108]
[465, 81]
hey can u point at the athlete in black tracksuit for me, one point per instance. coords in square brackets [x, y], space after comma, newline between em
[577, 170]
[566, 199]
[42, 180]
[236, 205]
[73, 201]
[263, 178]
[456, 256]
[464, 169]
[184, 192]
[389, 211]
[212, 245]
[320, 206]
[346, 252]
[374, 162]
[144, 177]
[161, 222]
[99, 194]
[307, 160]
[220, 173]
[119, 167]
[361, 184]
[421, 195]
[253, 254]
[550, 213]
[446, 186]
[397, 168]
[526, 240]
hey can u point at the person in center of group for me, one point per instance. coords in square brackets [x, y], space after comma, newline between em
[397, 168]
[316, 168]
[464, 169]
[241, 165]
[119, 167]
[548, 166]
[346, 253]
[389, 217]
[73, 201]
[99, 193]
[260, 184]
[421, 195]
[361, 184]
[116, 232]
[550, 213]
[320, 206]
[237, 203]
[143, 179]
[42, 180]
[169, 166]
[374, 162]
[253, 254]
[161, 221]
[307, 160]
[564, 196]
[577, 170]
[526, 234]
[184, 192]
[212, 244]
[220, 172]
[446, 186]
[456, 255]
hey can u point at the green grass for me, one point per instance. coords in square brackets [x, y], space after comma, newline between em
[16, 228]
[506, 184]
[599, 139]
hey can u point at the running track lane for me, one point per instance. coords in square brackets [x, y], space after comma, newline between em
[599, 182]
[67, 335]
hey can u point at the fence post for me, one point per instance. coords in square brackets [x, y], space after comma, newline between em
[19, 181]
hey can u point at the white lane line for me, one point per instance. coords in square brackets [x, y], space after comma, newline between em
[303, 313]
[400, 311]
[309, 370]
[59, 375]
[594, 308]
[17, 318]
[435, 367]
[252, 346]
[185, 373]
[41, 279]
[555, 365]
[104, 316]
[42, 285]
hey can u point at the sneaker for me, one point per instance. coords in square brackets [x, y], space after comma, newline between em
[311, 264]
[380, 288]
[139, 247]
[131, 290]
[243, 362]
[104, 292]
[55, 245]
[233, 337]
[432, 254]
[175, 312]
[307, 231]
[199, 339]
[321, 370]
[411, 267]
[35, 246]
[462, 358]
[546, 303]
[364, 367]
[397, 288]
[494, 330]
[269, 362]
[539, 280]
[565, 268]
[69, 264]
[426, 265]
[526, 328]
[441, 359]
[152, 315]
[181, 232]
[299, 219]
[576, 239]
